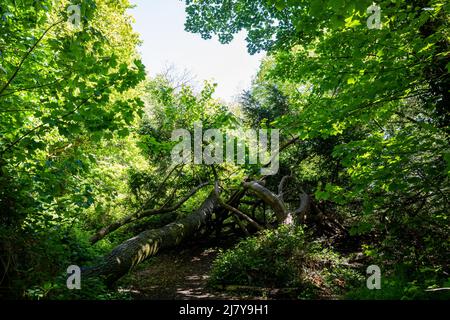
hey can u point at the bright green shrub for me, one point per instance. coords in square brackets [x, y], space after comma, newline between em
[283, 258]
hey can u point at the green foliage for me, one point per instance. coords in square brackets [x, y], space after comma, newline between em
[280, 258]
[261, 260]
[370, 104]
[92, 289]
[36, 257]
[84, 141]
[67, 105]
[263, 104]
[404, 283]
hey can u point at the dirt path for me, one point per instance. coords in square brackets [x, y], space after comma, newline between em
[182, 274]
[178, 274]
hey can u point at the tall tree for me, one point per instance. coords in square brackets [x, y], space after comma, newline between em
[391, 82]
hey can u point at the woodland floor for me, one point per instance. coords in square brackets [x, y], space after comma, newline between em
[180, 274]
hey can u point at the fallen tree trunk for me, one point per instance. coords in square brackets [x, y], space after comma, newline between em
[130, 253]
[145, 213]
[135, 250]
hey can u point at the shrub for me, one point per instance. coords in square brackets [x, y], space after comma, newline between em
[283, 258]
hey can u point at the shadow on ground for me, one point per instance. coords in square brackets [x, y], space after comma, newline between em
[179, 274]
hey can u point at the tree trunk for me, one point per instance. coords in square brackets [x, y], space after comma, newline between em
[142, 214]
[269, 198]
[135, 250]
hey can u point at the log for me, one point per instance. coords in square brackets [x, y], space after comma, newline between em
[130, 253]
[269, 198]
[145, 213]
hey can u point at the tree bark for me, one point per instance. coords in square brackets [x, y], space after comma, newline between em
[130, 253]
[144, 213]
[269, 198]
[135, 250]
[238, 214]
[284, 216]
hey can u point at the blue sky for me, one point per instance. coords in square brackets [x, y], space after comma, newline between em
[161, 26]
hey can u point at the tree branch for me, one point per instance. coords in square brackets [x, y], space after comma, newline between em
[42, 125]
[269, 198]
[11, 79]
[281, 186]
[235, 211]
[144, 213]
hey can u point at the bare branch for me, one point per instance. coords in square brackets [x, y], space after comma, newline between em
[305, 203]
[145, 213]
[438, 289]
[238, 213]
[281, 186]
[269, 198]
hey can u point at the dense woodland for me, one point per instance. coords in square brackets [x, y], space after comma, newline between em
[87, 178]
